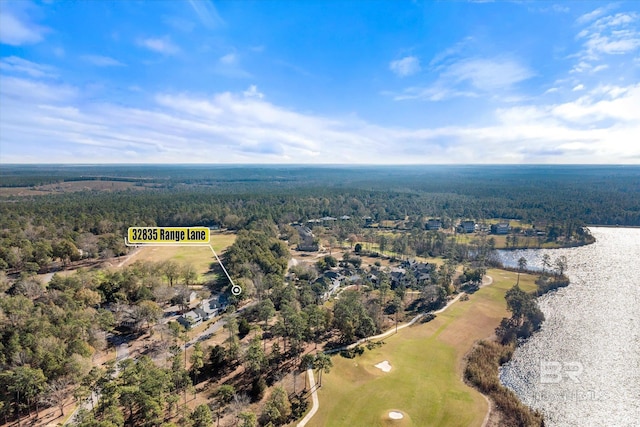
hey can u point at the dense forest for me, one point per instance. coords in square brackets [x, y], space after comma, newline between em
[50, 333]
[34, 230]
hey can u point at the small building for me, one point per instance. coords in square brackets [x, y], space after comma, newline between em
[345, 217]
[434, 224]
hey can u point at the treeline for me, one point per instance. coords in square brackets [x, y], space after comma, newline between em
[40, 232]
[37, 233]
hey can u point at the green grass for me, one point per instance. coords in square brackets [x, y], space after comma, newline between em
[427, 360]
[375, 247]
[512, 222]
[198, 256]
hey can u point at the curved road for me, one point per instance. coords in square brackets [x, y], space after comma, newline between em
[314, 395]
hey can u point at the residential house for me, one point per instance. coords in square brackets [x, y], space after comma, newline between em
[501, 228]
[468, 226]
[212, 307]
[308, 241]
[434, 224]
[328, 219]
[190, 319]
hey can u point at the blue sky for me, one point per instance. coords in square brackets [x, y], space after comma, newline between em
[385, 82]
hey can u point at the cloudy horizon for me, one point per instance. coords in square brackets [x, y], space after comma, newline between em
[320, 83]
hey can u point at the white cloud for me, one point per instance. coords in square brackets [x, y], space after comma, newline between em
[470, 78]
[559, 8]
[489, 74]
[229, 66]
[207, 13]
[406, 66]
[610, 35]
[34, 91]
[229, 59]
[578, 87]
[451, 52]
[588, 17]
[102, 61]
[160, 45]
[17, 32]
[620, 104]
[253, 92]
[15, 64]
[599, 126]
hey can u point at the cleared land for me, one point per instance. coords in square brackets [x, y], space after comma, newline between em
[71, 187]
[199, 256]
[428, 361]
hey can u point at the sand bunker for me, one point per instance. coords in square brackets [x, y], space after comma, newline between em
[384, 366]
[395, 415]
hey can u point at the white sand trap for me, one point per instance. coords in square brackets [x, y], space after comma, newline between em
[384, 366]
[395, 415]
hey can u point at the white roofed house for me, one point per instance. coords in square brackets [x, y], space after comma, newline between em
[190, 319]
[308, 241]
[212, 307]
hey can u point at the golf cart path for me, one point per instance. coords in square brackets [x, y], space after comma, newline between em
[487, 280]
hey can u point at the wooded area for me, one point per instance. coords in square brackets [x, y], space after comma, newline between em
[51, 332]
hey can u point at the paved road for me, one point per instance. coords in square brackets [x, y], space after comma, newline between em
[122, 353]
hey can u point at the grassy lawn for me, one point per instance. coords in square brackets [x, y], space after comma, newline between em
[501, 240]
[375, 247]
[512, 222]
[199, 256]
[427, 360]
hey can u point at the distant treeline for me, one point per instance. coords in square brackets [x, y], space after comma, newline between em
[34, 230]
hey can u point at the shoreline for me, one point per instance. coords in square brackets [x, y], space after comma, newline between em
[495, 414]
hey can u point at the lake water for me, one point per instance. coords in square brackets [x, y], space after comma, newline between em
[583, 367]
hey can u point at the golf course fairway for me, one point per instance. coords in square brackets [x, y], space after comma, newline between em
[425, 381]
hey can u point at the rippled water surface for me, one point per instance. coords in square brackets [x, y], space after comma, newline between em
[583, 367]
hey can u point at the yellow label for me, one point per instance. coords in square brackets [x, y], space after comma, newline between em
[141, 235]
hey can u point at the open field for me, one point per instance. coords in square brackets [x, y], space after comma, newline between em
[70, 187]
[198, 256]
[427, 360]
[375, 247]
[512, 222]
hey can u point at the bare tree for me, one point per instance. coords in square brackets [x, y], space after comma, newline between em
[561, 264]
[546, 263]
[56, 393]
[239, 402]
